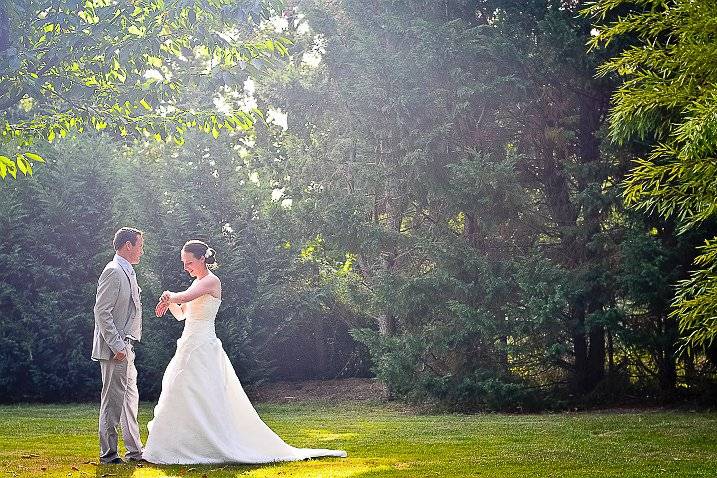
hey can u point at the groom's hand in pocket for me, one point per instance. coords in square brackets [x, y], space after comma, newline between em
[120, 356]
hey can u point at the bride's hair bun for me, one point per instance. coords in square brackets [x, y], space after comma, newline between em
[210, 256]
[201, 249]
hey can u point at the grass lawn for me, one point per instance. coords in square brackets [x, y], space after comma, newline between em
[385, 440]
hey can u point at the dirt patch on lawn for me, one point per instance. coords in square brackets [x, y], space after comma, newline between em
[339, 390]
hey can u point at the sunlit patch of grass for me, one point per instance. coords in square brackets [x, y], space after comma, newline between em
[312, 469]
[149, 472]
[327, 435]
[325, 468]
[382, 441]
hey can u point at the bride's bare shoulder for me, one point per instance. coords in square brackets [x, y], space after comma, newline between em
[213, 285]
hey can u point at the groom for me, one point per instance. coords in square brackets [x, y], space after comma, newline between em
[118, 325]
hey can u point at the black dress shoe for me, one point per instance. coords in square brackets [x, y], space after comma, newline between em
[136, 460]
[116, 461]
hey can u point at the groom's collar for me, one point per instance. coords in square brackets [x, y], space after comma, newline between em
[124, 263]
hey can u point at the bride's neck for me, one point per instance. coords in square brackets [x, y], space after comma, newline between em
[203, 275]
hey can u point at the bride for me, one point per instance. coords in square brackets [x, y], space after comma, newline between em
[203, 414]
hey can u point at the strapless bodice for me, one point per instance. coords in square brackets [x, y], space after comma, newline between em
[204, 307]
[200, 314]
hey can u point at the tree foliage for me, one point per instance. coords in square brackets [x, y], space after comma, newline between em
[125, 67]
[468, 182]
[668, 98]
[274, 324]
[432, 195]
[441, 148]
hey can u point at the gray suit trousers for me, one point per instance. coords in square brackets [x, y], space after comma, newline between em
[118, 406]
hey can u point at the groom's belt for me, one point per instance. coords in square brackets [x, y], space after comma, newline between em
[130, 340]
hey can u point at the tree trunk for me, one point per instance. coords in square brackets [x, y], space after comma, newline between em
[471, 230]
[690, 371]
[596, 358]
[394, 218]
[580, 349]
[610, 354]
[667, 364]
[321, 363]
[502, 356]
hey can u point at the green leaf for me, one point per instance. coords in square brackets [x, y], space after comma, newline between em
[11, 168]
[5, 162]
[21, 164]
[135, 31]
[144, 103]
[24, 165]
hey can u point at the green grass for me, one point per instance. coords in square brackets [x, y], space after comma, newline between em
[381, 440]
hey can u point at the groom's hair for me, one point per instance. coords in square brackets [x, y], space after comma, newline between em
[125, 234]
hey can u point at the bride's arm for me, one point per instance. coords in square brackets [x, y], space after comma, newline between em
[209, 284]
[177, 311]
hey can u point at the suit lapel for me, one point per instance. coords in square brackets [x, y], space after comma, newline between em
[134, 289]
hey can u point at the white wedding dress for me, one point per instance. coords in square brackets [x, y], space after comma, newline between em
[203, 414]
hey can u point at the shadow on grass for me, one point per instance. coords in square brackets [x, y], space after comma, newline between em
[149, 470]
[334, 468]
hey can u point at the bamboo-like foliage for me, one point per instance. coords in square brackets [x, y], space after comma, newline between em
[669, 97]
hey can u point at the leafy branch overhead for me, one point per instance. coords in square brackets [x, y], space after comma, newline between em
[21, 163]
[126, 66]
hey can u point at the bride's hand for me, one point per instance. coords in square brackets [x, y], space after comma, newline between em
[165, 297]
[161, 308]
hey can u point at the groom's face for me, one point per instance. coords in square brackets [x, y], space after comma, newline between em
[136, 251]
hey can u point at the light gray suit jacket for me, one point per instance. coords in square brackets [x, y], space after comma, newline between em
[118, 312]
